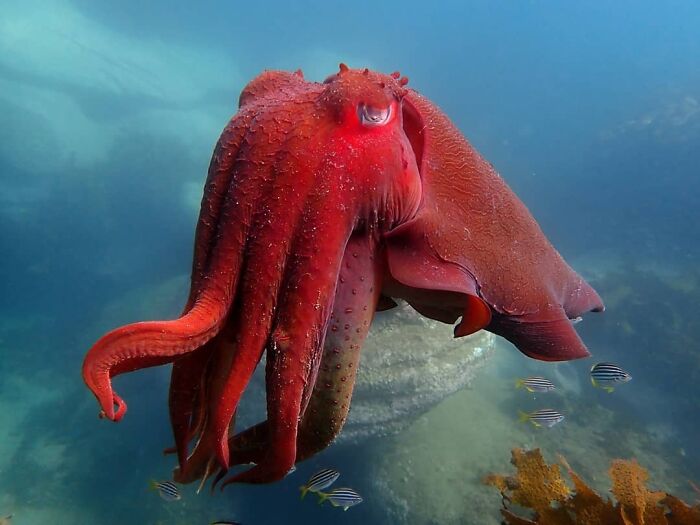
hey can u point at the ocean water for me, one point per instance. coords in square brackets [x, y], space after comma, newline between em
[109, 113]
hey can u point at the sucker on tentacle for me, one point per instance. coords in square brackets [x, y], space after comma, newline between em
[353, 309]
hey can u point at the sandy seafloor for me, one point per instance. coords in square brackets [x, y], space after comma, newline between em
[59, 463]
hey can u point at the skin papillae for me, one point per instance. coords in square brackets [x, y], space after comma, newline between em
[323, 202]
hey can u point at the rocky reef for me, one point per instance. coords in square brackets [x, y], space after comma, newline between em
[409, 364]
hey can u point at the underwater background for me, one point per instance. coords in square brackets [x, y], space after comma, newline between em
[108, 116]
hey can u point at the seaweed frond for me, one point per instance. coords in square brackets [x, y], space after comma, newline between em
[541, 488]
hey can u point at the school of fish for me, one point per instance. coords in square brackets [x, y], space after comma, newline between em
[603, 375]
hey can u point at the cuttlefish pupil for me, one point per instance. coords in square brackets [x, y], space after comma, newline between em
[371, 116]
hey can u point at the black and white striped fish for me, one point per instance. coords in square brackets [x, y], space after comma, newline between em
[604, 375]
[324, 478]
[544, 417]
[344, 497]
[535, 384]
[166, 489]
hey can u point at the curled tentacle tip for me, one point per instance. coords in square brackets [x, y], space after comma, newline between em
[395, 75]
[111, 415]
[121, 408]
[403, 81]
[343, 68]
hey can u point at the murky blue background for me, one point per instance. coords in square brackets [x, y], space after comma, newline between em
[109, 112]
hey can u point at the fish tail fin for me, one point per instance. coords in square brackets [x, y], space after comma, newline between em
[304, 489]
[609, 389]
[593, 382]
[519, 383]
[153, 485]
[322, 496]
[523, 416]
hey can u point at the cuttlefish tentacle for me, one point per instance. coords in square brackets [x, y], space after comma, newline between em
[266, 268]
[146, 344]
[356, 297]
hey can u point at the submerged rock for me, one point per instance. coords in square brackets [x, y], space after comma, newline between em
[409, 364]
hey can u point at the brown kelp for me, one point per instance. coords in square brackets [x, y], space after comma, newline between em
[542, 489]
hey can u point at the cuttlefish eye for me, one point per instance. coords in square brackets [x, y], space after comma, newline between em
[371, 116]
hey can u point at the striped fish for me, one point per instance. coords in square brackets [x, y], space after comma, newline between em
[166, 489]
[535, 384]
[344, 497]
[324, 478]
[604, 375]
[546, 417]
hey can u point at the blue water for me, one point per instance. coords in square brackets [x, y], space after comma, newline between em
[109, 113]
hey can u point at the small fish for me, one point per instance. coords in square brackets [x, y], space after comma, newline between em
[166, 489]
[542, 417]
[344, 497]
[321, 480]
[535, 384]
[604, 375]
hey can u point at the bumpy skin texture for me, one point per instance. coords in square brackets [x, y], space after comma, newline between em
[323, 202]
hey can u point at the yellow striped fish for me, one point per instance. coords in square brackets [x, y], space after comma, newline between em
[324, 478]
[344, 497]
[544, 417]
[604, 375]
[166, 490]
[535, 384]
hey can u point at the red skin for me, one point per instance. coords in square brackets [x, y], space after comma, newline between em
[313, 216]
